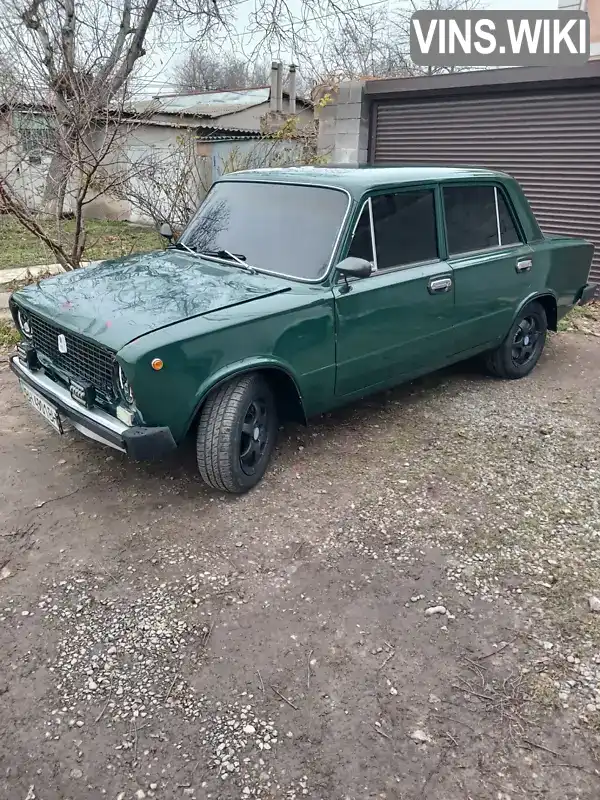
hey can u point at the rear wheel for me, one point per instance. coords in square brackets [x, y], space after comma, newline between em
[521, 350]
[236, 434]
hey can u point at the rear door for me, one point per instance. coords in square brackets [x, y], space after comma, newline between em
[394, 323]
[493, 267]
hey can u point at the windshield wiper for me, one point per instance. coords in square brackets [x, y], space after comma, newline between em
[237, 258]
[181, 246]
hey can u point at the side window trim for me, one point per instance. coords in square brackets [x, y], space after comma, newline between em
[373, 244]
[497, 216]
[366, 204]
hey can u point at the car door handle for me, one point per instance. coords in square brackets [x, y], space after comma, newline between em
[439, 285]
[524, 265]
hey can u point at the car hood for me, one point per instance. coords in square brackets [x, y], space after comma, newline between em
[115, 302]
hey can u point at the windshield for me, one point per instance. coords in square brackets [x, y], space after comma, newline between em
[276, 227]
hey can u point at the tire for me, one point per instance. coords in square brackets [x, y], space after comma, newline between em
[521, 349]
[236, 434]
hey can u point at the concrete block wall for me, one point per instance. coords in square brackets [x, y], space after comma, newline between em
[593, 9]
[344, 125]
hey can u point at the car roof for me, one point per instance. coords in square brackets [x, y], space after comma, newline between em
[358, 180]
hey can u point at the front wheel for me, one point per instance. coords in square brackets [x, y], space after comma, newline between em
[521, 350]
[236, 434]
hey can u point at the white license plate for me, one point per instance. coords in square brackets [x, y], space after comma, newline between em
[46, 409]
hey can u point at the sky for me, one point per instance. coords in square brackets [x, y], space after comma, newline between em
[158, 74]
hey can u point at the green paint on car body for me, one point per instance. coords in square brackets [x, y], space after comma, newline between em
[328, 340]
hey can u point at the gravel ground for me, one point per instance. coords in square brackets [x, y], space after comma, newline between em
[407, 607]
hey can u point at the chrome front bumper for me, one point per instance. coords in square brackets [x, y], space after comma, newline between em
[138, 442]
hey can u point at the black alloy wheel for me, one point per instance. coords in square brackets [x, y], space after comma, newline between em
[522, 347]
[526, 340]
[255, 435]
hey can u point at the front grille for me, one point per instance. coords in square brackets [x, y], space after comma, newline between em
[83, 360]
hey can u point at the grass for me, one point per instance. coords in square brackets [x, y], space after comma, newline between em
[105, 239]
[8, 334]
[581, 318]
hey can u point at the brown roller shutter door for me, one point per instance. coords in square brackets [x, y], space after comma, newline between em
[549, 141]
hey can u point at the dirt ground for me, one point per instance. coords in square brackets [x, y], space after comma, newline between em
[161, 640]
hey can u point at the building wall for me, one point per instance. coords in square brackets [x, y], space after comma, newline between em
[176, 154]
[248, 119]
[25, 178]
[344, 125]
[593, 9]
[25, 173]
[251, 118]
[252, 154]
[154, 150]
[133, 150]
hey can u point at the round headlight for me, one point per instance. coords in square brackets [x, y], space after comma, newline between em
[24, 324]
[125, 387]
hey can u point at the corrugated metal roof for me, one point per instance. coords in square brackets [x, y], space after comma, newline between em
[226, 134]
[206, 104]
[217, 110]
[244, 97]
[204, 131]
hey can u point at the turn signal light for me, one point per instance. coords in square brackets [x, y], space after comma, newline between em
[156, 364]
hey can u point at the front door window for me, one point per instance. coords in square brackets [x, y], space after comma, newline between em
[402, 226]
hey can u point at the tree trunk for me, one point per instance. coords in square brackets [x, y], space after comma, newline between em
[55, 189]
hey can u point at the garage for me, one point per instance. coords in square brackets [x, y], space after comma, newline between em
[540, 125]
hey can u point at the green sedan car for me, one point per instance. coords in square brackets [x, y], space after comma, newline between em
[290, 292]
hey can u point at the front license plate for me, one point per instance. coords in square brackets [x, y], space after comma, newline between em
[46, 409]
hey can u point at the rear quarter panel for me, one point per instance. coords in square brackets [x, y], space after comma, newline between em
[294, 331]
[563, 265]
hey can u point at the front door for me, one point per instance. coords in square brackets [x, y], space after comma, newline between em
[395, 323]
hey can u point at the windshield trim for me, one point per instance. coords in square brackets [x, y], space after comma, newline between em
[336, 242]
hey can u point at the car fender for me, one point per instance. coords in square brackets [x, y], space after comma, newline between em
[240, 368]
[529, 299]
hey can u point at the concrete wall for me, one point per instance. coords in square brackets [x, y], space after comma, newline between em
[25, 176]
[344, 125]
[202, 164]
[147, 143]
[248, 119]
[252, 154]
[593, 9]
[135, 150]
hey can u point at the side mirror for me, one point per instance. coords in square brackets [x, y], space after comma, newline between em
[353, 267]
[167, 231]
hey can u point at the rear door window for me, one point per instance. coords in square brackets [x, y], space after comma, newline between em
[477, 218]
[508, 230]
[471, 222]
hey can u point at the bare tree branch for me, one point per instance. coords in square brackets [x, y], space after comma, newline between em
[135, 49]
[125, 30]
[205, 71]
